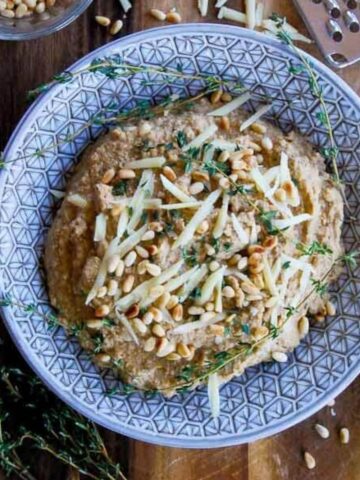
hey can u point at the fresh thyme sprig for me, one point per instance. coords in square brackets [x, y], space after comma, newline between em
[32, 417]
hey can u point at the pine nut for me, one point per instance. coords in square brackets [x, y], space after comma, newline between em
[193, 310]
[267, 143]
[22, 9]
[141, 268]
[169, 173]
[112, 287]
[116, 27]
[224, 123]
[141, 251]
[102, 311]
[309, 460]
[203, 227]
[148, 318]
[255, 249]
[139, 325]
[113, 263]
[303, 326]
[157, 314]
[173, 17]
[224, 156]
[158, 14]
[108, 176]
[240, 298]
[130, 259]
[153, 270]
[101, 293]
[156, 226]
[209, 307]
[128, 283]
[150, 344]
[256, 268]
[196, 188]
[330, 308]
[163, 300]
[158, 330]
[120, 269]
[224, 183]
[149, 235]
[126, 174]
[174, 300]
[258, 128]
[183, 350]
[322, 431]
[152, 249]
[103, 21]
[156, 291]
[173, 357]
[280, 195]
[228, 292]
[177, 312]
[280, 357]
[226, 97]
[94, 324]
[200, 176]
[216, 96]
[133, 311]
[210, 251]
[102, 358]
[249, 288]
[254, 146]
[165, 348]
[242, 264]
[344, 436]
[214, 265]
[7, 13]
[259, 332]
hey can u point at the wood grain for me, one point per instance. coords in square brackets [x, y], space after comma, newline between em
[24, 66]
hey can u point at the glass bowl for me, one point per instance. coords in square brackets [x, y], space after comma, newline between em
[38, 25]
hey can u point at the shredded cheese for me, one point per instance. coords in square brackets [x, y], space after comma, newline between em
[176, 191]
[270, 281]
[250, 13]
[144, 190]
[179, 206]
[122, 223]
[57, 193]
[151, 162]
[200, 139]
[205, 209]
[100, 227]
[240, 232]
[122, 319]
[230, 106]
[220, 3]
[126, 5]
[193, 283]
[77, 200]
[218, 293]
[221, 218]
[209, 285]
[255, 116]
[271, 26]
[203, 6]
[289, 222]
[231, 14]
[259, 14]
[131, 241]
[214, 395]
[224, 145]
[177, 282]
[192, 326]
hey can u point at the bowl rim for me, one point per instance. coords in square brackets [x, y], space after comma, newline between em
[44, 31]
[42, 372]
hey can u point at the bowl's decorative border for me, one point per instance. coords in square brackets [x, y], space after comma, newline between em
[266, 399]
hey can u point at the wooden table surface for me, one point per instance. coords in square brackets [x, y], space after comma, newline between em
[25, 65]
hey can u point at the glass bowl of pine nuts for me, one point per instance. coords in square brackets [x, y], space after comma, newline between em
[29, 19]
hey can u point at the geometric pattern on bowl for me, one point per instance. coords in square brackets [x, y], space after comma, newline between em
[265, 399]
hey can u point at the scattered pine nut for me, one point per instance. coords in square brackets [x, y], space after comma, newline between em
[158, 14]
[173, 17]
[309, 460]
[280, 357]
[344, 435]
[103, 21]
[116, 27]
[322, 431]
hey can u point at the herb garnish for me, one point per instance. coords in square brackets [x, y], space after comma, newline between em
[314, 248]
[120, 188]
[266, 219]
[181, 138]
[189, 157]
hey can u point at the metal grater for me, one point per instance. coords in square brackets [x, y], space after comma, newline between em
[335, 27]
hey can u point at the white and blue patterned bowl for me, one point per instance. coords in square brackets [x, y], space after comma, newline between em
[265, 399]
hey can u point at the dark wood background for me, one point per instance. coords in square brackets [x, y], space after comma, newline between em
[24, 66]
